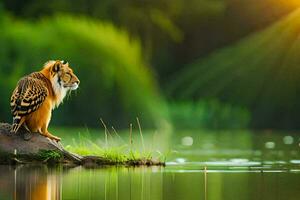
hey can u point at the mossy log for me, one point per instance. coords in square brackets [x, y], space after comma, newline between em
[27, 148]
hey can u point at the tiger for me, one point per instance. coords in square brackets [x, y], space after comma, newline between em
[38, 93]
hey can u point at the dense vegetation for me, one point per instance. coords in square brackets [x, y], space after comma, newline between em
[261, 72]
[172, 33]
[208, 114]
[116, 85]
[212, 60]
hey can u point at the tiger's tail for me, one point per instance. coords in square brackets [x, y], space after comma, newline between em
[17, 123]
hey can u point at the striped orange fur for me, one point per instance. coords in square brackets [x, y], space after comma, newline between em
[38, 93]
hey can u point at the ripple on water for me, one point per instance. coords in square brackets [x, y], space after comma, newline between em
[295, 161]
[236, 162]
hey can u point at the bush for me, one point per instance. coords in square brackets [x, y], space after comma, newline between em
[208, 114]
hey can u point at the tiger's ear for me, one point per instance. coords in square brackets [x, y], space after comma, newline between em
[65, 63]
[57, 66]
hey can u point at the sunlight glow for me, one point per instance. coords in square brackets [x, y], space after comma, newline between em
[292, 3]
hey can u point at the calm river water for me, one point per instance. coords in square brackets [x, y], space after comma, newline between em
[226, 165]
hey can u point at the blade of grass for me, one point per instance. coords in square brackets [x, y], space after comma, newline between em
[114, 130]
[105, 132]
[130, 136]
[140, 130]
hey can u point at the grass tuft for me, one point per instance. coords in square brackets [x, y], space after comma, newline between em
[114, 148]
[46, 155]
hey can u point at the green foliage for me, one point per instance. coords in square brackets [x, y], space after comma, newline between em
[160, 25]
[113, 149]
[261, 72]
[115, 83]
[46, 155]
[208, 114]
[172, 33]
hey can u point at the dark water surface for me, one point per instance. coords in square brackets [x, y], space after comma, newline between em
[203, 165]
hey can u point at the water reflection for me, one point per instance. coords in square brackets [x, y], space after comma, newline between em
[29, 182]
[206, 166]
[40, 182]
[113, 183]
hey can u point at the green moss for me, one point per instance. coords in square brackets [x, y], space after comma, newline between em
[5, 157]
[46, 156]
[49, 155]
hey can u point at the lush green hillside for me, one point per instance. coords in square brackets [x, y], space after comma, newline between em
[261, 72]
[115, 83]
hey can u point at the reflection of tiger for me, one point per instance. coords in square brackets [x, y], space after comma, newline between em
[38, 93]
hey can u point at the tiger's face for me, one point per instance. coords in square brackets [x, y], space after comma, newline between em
[64, 77]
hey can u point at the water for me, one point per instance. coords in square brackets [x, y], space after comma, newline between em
[203, 165]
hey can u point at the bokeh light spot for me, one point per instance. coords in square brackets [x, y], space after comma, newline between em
[270, 145]
[288, 139]
[187, 141]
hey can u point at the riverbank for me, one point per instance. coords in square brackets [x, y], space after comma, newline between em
[29, 148]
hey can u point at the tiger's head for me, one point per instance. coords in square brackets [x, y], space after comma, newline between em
[63, 74]
[62, 78]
